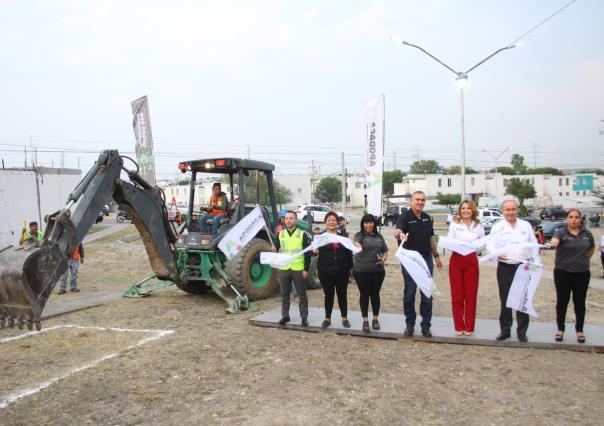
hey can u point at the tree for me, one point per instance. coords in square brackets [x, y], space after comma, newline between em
[390, 178]
[504, 170]
[518, 165]
[282, 194]
[544, 171]
[456, 170]
[595, 171]
[329, 190]
[448, 199]
[521, 189]
[600, 194]
[425, 167]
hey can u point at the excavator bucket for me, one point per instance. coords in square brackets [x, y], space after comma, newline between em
[27, 277]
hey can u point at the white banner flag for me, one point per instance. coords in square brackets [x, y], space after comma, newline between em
[277, 260]
[141, 122]
[457, 246]
[241, 234]
[374, 166]
[416, 266]
[525, 283]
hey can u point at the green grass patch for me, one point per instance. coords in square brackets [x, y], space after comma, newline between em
[115, 236]
[96, 228]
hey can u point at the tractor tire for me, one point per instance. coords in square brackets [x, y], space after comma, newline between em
[312, 282]
[193, 287]
[245, 271]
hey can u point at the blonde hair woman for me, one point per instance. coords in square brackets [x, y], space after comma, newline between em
[463, 270]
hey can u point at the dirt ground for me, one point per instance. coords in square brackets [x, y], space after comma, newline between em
[217, 369]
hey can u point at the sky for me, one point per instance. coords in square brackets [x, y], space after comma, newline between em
[285, 81]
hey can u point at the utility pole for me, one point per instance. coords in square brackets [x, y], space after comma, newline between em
[62, 159]
[25, 156]
[496, 157]
[248, 152]
[343, 186]
[393, 160]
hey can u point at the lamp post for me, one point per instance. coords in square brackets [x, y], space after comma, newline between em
[460, 81]
[496, 157]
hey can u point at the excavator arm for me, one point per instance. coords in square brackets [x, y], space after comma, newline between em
[28, 274]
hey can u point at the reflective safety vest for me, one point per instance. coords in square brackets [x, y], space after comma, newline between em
[216, 201]
[292, 244]
[39, 235]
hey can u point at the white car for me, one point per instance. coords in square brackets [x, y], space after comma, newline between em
[484, 215]
[318, 212]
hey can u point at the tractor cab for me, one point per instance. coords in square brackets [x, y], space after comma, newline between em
[250, 183]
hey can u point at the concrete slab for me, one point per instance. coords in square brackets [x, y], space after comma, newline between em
[540, 335]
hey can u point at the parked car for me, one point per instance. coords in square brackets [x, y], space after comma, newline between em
[488, 225]
[549, 227]
[484, 215]
[552, 213]
[534, 222]
[391, 214]
[318, 212]
[172, 213]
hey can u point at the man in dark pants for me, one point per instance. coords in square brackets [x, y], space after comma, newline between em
[505, 232]
[293, 240]
[415, 229]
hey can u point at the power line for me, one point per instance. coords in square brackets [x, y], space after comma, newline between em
[542, 22]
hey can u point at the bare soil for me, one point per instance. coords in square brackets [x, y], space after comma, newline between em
[217, 369]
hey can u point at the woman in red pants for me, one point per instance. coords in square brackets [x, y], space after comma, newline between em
[463, 270]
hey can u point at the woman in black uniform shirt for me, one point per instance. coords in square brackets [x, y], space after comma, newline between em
[368, 270]
[334, 264]
[574, 246]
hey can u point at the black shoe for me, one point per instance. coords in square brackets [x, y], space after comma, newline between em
[284, 320]
[346, 323]
[304, 322]
[426, 332]
[62, 291]
[366, 327]
[502, 336]
[522, 338]
[375, 324]
[326, 323]
[75, 290]
[409, 331]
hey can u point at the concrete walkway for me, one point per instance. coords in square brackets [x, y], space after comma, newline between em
[60, 307]
[540, 335]
[109, 228]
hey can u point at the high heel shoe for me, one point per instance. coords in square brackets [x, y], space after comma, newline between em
[559, 336]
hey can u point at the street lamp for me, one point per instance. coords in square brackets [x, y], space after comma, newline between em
[460, 81]
[496, 157]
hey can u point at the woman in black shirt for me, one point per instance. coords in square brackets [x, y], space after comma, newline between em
[574, 246]
[368, 269]
[334, 265]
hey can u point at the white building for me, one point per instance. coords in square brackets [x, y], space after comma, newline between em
[301, 187]
[29, 195]
[488, 189]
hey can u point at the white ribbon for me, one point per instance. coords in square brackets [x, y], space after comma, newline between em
[416, 266]
[457, 246]
[278, 260]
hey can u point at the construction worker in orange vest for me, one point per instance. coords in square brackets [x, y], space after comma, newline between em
[216, 210]
[73, 264]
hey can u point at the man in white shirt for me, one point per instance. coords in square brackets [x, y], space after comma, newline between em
[505, 232]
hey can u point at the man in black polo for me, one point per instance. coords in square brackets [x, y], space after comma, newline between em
[415, 229]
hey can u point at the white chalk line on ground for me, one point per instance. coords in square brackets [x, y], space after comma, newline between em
[5, 401]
